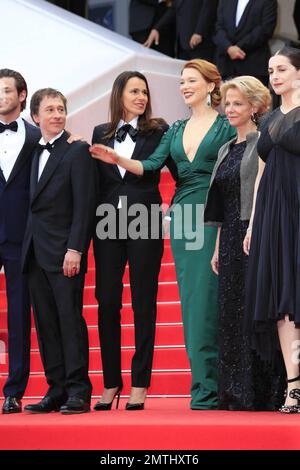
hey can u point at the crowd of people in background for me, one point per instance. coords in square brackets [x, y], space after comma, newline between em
[239, 289]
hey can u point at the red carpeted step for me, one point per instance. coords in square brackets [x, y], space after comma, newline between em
[167, 291]
[169, 383]
[166, 334]
[167, 257]
[166, 423]
[169, 329]
[164, 358]
[167, 312]
[167, 273]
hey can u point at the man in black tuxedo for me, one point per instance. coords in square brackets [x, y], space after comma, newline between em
[17, 141]
[55, 255]
[143, 14]
[195, 22]
[243, 30]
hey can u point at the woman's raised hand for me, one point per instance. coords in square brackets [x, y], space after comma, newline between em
[104, 153]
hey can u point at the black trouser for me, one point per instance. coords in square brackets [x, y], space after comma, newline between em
[18, 317]
[204, 51]
[166, 40]
[62, 332]
[144, 259]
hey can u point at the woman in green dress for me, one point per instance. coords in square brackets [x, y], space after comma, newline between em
[193, 145]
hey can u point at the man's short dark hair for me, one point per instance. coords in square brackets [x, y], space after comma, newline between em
[39, 95]
[20, 82]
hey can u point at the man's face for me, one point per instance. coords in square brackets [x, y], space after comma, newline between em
[10, 101]
[51, 117]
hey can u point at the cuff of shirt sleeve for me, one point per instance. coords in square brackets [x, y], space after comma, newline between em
[74, 251]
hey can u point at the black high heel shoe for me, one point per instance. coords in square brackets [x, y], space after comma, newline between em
[295, 394]
[134, 406]
[100, 406]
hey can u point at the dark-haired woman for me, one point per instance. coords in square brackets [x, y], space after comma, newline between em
[273, 288]
[193, 145]
[132, 133]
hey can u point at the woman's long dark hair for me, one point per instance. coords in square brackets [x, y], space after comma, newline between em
[292, 54]
[145, 123]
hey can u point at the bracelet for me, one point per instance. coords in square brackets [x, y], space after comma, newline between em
[249, 229]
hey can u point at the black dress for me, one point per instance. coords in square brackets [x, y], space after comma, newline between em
[244, 381]
[273, 284]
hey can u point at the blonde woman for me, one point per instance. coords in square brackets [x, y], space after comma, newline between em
[244, 383]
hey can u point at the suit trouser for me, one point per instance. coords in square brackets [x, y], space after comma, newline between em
[18, 315]
[62, 332]
[166, 40]
[204, 51]
[144, 260]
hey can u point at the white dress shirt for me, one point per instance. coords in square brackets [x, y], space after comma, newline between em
[45, 153]
[11, 144]
[241, 7]
[125, 148]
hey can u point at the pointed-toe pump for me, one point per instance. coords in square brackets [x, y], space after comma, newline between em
[137, 406]
[295, 394]
[100, 406]
[134, 406]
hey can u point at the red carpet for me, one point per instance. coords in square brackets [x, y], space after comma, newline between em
[167, 422]
[171, 375]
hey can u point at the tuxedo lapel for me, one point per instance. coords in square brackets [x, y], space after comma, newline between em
[26, 151]
[140, 141]
[2, 178]
[244, 15]
[58, 152]
[114, 168]
[177, 3]
[34, 174]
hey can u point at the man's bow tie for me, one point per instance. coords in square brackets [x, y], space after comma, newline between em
[124, 130]
[48, 147]
[13, 126]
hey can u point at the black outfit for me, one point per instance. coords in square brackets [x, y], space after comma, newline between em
[79, 8]
[252, 34]
[274, 274]
[144, 259]
[143, 15]
[60, 217]
[192, 17]
[296, 16]
[245, 383]
[14, 201]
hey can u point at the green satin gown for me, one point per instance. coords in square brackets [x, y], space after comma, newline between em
[197, 283]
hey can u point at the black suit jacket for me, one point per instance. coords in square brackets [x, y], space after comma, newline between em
[192, 16]
[254, 30]
[14, 193]
[138, 189]
[62, 205]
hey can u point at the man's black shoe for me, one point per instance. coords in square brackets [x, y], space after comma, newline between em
[46, 405]
[75, 405]
[11, 405]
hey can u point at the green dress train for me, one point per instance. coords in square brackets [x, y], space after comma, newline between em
[197, 283]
